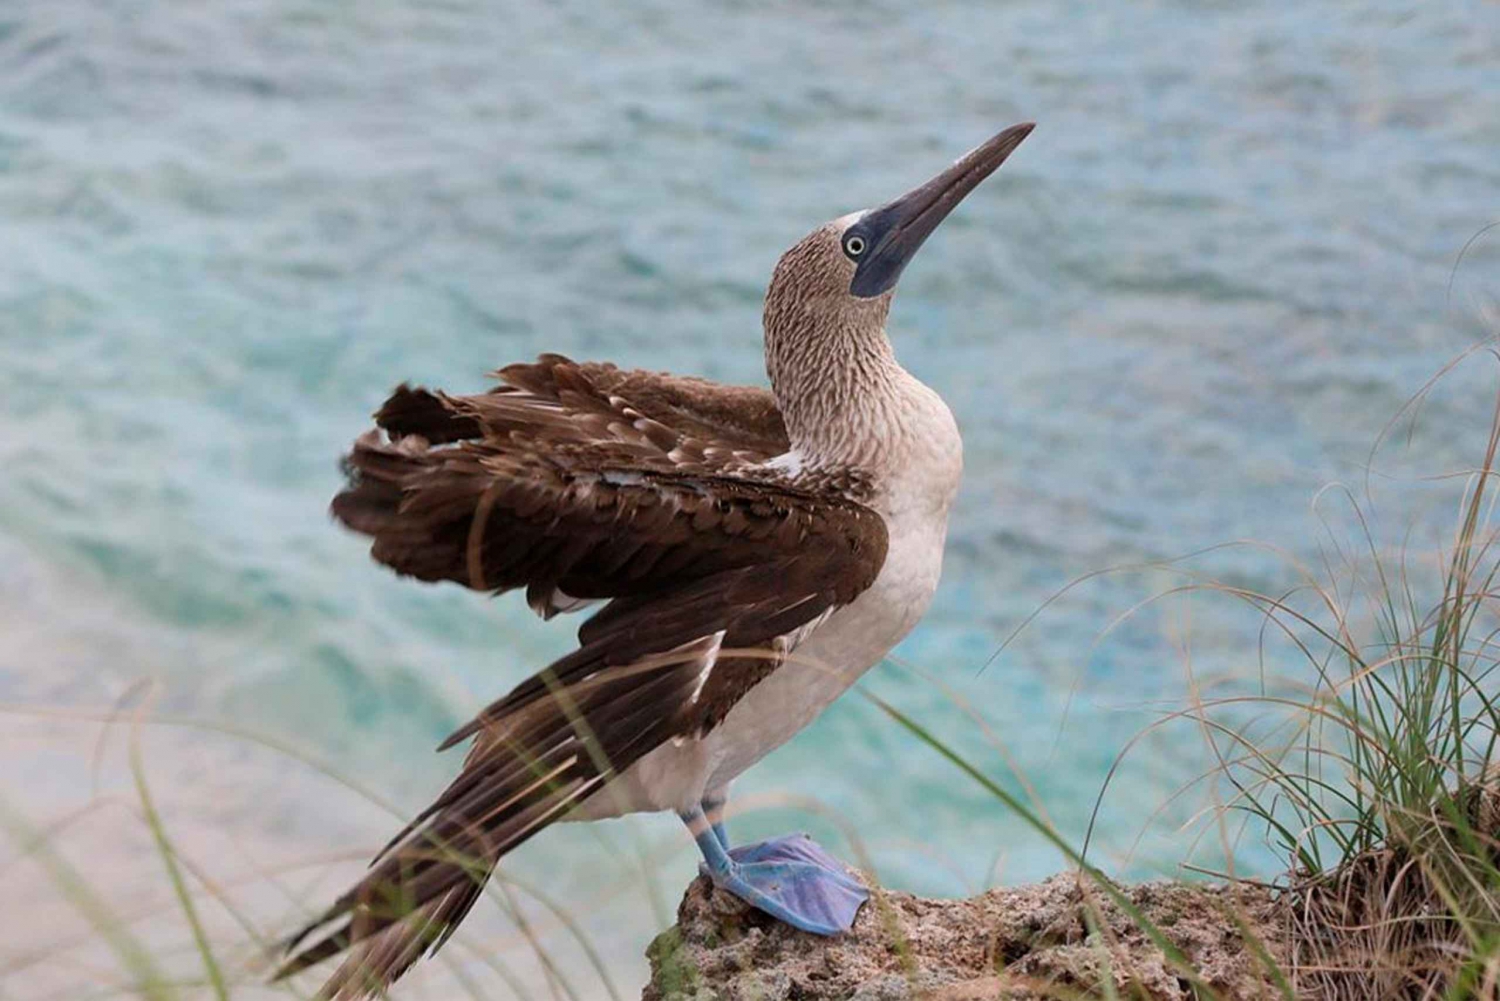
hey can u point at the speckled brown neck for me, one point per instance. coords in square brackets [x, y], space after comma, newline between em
[836, 379]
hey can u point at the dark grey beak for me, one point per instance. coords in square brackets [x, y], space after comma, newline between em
[887, 238]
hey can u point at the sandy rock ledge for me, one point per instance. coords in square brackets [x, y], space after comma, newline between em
[1055, 939]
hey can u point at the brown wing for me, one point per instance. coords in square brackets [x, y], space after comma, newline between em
[695, 559]
[531, 483]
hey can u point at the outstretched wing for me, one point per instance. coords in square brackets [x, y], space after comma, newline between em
[700, 564]
[575, 481]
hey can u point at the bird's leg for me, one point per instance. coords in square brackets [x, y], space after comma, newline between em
[789, 878]
[713, 808]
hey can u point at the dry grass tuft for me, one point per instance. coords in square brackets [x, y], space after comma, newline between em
[1417, 920]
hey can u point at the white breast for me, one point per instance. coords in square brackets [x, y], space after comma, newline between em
[922, 466]
[832, 658]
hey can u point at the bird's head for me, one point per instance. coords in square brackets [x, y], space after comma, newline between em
[848, 268]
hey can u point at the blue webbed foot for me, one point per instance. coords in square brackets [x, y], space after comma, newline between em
[793, 879]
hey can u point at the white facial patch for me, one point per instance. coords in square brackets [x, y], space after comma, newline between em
[843, 222]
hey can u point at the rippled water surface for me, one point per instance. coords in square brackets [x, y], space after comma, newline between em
[1196, 295]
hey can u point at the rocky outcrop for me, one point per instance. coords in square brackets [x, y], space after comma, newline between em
[1059, 938]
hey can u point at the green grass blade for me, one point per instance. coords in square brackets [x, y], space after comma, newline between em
[174, 872]
[149, 981]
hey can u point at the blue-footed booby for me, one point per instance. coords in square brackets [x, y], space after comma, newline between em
[756, 552]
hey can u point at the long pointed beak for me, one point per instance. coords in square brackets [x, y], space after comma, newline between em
[896, 230]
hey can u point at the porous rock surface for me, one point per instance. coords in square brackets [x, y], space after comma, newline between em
[1055, 939]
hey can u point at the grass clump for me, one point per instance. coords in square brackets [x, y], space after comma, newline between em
[1378, 784]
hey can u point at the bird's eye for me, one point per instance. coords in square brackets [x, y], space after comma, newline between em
[854, 246]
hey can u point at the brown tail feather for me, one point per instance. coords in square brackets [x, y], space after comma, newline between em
[529, 767]
[415, 896]
[379, 959]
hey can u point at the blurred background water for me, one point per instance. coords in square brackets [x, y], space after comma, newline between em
[1195, 296]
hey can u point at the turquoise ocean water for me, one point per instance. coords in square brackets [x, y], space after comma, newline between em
[1195, 296]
